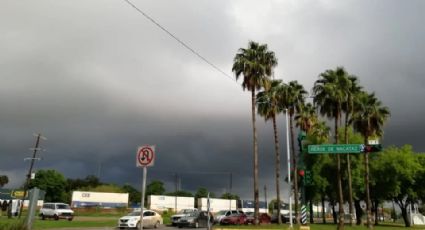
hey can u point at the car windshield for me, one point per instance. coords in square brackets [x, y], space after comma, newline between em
[186, 211]
[62, 206]
[249, 213]
[220, 213]
[193, 214]
[134, 214]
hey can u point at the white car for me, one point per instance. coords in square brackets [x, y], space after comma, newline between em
[56, 211]
[182, 213]
[151, 219]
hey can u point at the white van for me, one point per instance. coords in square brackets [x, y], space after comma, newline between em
[56, 211]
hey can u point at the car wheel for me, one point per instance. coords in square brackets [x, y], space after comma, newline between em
[56, 217]
[69, 219]
[42, 216]
[156, 225]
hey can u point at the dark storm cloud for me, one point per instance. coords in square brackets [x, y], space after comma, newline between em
[98, 80]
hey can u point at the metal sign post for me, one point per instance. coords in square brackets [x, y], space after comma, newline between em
[142, 202]
[208, 212]
[145, 158]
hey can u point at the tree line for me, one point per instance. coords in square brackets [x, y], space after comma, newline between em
[59, 189]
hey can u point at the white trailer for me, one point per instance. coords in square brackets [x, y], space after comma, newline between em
[175, 203]
[248, 206]
[216, 205]
[99, 199]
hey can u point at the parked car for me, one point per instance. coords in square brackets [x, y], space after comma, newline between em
[285, 218]
[151, 219]
[56, 211]
[197, 219]
[263, 218]
[223, 213]
[234, 218]
[182, 213]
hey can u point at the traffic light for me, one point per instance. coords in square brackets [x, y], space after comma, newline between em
[301, 137]
[372, 148]
[308, 178]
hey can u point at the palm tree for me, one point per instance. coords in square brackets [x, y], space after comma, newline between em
[306, 117]
[255, 64]
[319, 134]
[293, 100]
[330, 93]
[267, 103]
[369, 120]
[352, 94]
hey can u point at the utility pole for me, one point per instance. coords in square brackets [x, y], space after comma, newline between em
[35, 149]
[230, 191]
[265, 197]
[175, 195]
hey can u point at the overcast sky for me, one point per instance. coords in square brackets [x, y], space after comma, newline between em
[98, 80]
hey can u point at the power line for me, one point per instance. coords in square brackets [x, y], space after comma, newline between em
[179, 40]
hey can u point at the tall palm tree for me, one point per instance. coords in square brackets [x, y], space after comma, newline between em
[348, 107]
[369, 120]
[294, 98]
[320, 131]
[306, 117]
[267, 103]
[255, 64]
[319, 134]
[330, 93]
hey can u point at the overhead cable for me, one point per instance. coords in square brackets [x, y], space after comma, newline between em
[178, 40]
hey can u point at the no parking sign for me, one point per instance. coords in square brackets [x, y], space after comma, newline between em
[145, 156]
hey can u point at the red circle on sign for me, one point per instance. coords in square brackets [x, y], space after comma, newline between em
[145, 156]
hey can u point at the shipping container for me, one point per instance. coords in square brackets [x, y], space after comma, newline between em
[175, 203]
[82, 199]
[216, 204]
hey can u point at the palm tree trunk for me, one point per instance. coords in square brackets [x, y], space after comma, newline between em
[350, 187]
[368, 211]
[375, 208]
[254, 131]
[340, 195]
[276, 144]
[323, 210]
[294, 165]
[334, 216]
[359, 212]
[311, 211]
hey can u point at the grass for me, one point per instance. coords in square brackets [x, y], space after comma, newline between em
[81, 220]
[321, 227]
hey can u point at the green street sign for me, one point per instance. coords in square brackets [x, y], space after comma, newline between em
[333, 149]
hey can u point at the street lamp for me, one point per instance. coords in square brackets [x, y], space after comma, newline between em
[289, 168]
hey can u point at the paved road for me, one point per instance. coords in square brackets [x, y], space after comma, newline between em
[109, 228]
